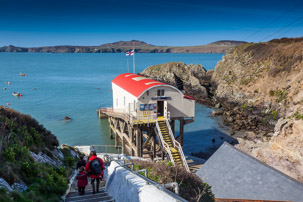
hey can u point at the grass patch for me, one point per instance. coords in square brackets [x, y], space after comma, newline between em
[279, 94]
[298, 116]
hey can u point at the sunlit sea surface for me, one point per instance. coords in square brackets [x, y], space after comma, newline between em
[59, 85]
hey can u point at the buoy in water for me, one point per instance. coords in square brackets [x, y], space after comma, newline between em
[20, 95]
[8, 83]
[8, 104]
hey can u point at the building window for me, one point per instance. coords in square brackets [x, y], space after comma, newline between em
[147, 93]
[160, 92]
[117, 102]
[124, 101]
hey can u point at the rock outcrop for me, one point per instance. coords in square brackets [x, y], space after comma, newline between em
[193, 80]
[260, 88]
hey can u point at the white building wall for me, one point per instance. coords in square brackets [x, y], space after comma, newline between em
[125, 186]
[123, 100]
[177, 105]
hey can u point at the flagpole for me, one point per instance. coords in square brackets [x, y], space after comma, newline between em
[127, 65]
[134, 68]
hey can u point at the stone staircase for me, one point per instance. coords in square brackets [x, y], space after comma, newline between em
[101, 196]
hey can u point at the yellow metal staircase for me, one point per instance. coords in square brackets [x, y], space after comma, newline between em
[170, 144]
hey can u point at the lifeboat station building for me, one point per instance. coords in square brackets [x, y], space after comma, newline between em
[143, 117]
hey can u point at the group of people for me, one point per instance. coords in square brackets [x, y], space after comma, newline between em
[93, 169]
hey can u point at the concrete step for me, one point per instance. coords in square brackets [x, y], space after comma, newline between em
[87, 192]
[90, 198]
[101, 196]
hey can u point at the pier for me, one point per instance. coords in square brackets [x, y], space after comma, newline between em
[148, 137]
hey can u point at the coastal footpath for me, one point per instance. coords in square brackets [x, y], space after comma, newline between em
[257, 90]
[123, 46]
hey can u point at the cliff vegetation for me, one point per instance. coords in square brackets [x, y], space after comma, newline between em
[31, 168]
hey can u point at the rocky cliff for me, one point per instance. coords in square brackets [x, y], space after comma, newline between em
[260, 88]
[123, 46]
[193, 80]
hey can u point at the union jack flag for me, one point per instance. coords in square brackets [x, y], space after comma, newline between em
[129, 53]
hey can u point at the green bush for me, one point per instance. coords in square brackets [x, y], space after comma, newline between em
[19, 135]
[192, 188]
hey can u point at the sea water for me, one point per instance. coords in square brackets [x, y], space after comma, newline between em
[76, 85]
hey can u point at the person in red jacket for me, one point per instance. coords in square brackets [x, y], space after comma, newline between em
[95, 167]
[82, 180]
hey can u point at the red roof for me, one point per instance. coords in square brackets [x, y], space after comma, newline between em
[135, 84]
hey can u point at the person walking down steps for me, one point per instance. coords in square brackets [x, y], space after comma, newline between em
[82, 162]
[82, 180]
[95, 167]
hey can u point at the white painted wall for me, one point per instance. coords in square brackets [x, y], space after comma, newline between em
[124, 186]
[119, 94]
[177, 105]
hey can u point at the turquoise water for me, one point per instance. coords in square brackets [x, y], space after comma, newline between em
[67, 84]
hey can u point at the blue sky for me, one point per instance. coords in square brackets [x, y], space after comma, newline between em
[31, 23]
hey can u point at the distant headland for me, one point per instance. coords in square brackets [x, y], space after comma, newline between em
[123, 46]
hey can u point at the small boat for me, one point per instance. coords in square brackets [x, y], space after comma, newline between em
[22, 74]
[17, 94]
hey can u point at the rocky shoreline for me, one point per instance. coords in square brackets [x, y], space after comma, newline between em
[256, 90]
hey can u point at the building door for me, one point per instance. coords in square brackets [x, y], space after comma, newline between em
[162, 108]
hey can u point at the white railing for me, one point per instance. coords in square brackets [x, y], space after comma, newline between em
[164, 144]
[167, 115]
[107, 149]
[177, 145]
[149, 118]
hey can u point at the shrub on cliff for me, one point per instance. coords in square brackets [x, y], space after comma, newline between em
[192, 188]
[19, 136]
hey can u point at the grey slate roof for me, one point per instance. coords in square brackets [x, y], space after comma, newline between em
[234, 174]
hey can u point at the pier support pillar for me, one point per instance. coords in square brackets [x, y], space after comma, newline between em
[123, 145]
[172, 125]
[111, 133]
[138, 142]
[116, 140]
[154, 146]
[181, 131]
